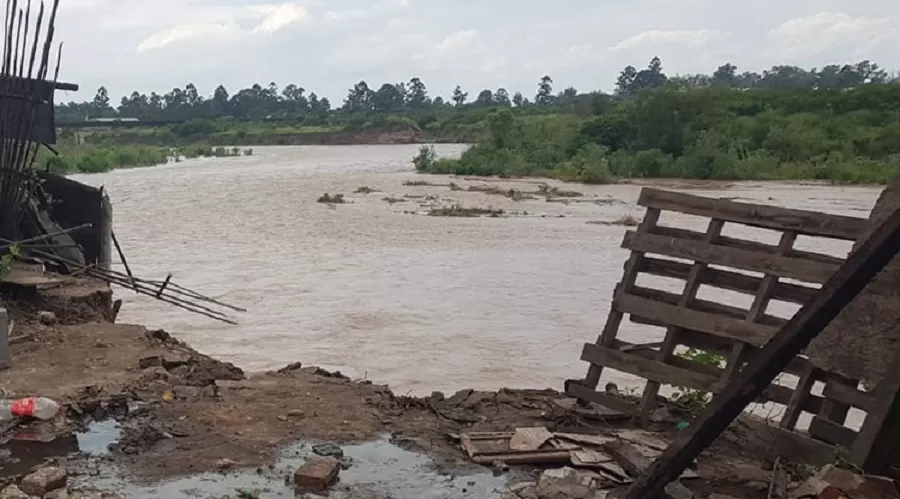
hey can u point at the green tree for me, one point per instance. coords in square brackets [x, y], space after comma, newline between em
[544, 95]
[459, 97]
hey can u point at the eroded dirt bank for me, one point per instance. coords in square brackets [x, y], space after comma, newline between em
[181, 413]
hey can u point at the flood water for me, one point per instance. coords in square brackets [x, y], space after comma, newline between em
[421, 303]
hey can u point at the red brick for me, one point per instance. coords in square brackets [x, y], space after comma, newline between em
[318, 473]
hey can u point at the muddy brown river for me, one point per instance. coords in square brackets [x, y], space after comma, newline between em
[379, 290]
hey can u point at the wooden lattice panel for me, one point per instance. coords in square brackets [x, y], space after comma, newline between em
[712, 259]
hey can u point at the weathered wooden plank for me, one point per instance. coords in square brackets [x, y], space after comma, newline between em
[869, 258]
[746, 244]
[774, 393]
[614, 319]
[726, 327]
[707, 306]
[875, 449]
[835, 410]
[781, 266]
[831, 432]
[810, 223]
[724, 279]
[649, 369]
[848, 395]
[670, 341]
[801, 394]
[576, 389]
[715, 344]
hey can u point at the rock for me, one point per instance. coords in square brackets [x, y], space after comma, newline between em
[675, 490]
[757, 485]
[853, 484]
[225, 463]
[660, 415]
[296, 413]
[13, 492]
[173, 361]
[328, 450]
[437, 396]
[564, 483]
[317, 474]
[44, 480]
[525, 490]
[57, 494]
[47, 318]
[154, 361]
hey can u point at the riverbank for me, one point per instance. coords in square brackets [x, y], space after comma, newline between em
[180, 415]
[89, 158]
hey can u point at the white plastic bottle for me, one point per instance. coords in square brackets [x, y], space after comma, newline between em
[35, 407]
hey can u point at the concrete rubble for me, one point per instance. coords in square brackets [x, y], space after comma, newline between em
[602, 467]
[49, 482]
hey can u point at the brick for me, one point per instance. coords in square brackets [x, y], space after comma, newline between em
[317, 474]
[44, 480]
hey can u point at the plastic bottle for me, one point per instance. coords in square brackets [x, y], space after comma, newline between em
[35, 407]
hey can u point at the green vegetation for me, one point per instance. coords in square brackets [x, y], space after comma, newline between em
[90, 158]
[836, 123]
[6, 261]
[688, 398]
[723, 133]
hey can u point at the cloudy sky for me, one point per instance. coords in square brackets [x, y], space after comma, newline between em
[326, 45]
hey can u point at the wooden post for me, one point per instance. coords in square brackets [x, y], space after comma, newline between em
[105, 232]
[848, 281]
[5, 358]
[877, 441]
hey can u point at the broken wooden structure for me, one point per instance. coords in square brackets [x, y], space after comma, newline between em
[766, 274]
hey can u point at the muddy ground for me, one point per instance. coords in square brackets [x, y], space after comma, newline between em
[181, 412]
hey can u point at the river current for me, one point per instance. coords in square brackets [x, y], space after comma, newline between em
[378, 289]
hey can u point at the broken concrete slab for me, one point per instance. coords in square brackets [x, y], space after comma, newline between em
[830, 480]
[565, 483]
[44, 480]
[317, 474]
[13, 492]
[529, 439]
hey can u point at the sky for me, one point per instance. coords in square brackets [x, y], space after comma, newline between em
[326, 46]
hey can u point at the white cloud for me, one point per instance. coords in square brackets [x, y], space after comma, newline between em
[457, 41]
[826, 32]
[280, 16]
[327, 45]
[683, 38]
[187, 32]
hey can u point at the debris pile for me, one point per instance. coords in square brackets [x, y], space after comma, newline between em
[592, 462]
[48, 482]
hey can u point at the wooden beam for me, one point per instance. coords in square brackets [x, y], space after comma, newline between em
[650, 369]
[848, 395]
[747, 244]
[831, 432]
[725, 327]
[876, 446]
[861, 267]
[724, 279]
[781, 266]
[805, 222]
[708, 306]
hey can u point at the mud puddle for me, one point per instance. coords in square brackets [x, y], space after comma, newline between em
[377, 469]
[27, 449]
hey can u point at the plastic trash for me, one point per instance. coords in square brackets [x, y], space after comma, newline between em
[34, 407]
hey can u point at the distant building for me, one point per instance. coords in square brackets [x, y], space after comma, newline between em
[113, 120]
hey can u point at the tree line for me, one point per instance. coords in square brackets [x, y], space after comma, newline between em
[271, 101]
